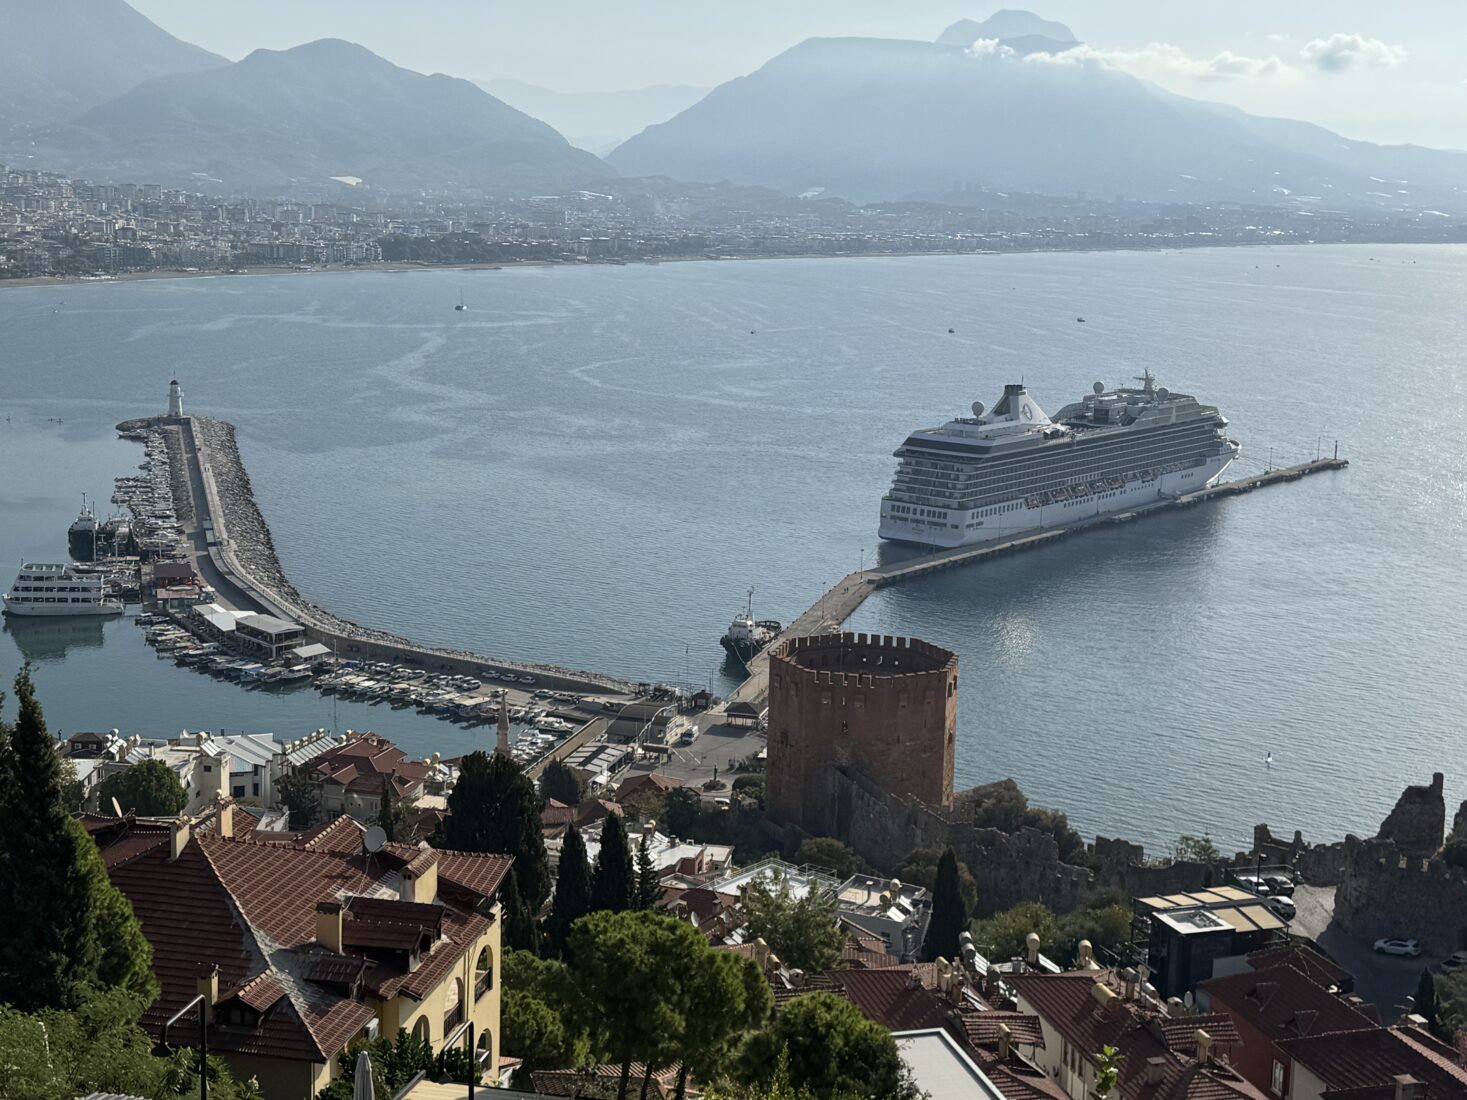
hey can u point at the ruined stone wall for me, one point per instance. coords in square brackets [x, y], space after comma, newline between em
[1009, 867]
[1122, 866]
[1386, 891]
[1318, 864]
[1418, 820]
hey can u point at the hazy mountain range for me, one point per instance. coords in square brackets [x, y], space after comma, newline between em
[322, 110]
[92, 87]
[61, 57]
[873, 119]
[596, 121]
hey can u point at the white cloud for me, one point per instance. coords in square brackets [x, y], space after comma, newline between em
[1163, 60]
[990, 47]
[1341, 52]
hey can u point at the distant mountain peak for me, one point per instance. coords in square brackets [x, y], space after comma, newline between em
[1010, 23]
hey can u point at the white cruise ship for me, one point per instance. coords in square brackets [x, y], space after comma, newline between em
[1015, 470]
[52, 589]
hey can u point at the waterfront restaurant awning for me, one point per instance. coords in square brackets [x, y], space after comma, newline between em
[310, 652]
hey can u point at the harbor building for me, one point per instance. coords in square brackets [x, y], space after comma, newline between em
[845, 707]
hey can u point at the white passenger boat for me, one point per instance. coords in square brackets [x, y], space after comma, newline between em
[54, 589]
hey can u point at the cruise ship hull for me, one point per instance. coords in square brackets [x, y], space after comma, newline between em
[1024, 520]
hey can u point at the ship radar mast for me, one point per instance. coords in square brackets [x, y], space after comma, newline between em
[1147, 380]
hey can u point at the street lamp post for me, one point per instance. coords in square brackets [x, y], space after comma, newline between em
[163, 1049]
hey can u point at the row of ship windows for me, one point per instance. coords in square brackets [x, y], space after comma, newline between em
[49, 599]
[925, 513]
[1110, 451]
[968, 495]
[1071, 465]
[55, 588]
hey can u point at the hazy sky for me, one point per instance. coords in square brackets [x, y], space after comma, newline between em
[1374, 69]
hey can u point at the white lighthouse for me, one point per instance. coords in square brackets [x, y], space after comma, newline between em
[175, 398]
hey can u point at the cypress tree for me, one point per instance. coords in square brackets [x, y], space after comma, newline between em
[494, 808]
[66, 927]
[521, 933]
[611, 885]
[1424, 1003]
[572, 890]
[648, 888]
[948, 915]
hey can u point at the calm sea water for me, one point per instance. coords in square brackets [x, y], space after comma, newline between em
[591, 465]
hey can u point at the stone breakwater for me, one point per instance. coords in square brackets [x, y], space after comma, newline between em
[245, 543]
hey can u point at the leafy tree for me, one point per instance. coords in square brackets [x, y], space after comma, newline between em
[829, 853]
[66, 928]
[148, 789]
[1424, 1004]
[1107, 1072]
[611, 884]
[395, 1062]
[391, 817]
[98, 1047]
[299, 794]
[920, 869]
[572, 890]
[494, 808]
[802, 931]
[557, 781]
[649, 887]
[629, 969]
[1196, 849]
[680, 812]
[832, 1050]
[949, 918]
[1108, 928]
[533, 1032]
[724, 997]
[73, 795]
[1004, 935]
[520, 930]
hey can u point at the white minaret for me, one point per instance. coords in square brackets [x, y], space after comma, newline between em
[175, 398]
[503, 746]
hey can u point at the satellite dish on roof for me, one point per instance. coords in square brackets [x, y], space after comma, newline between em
[1188, 999]
[1099, 387]
[117, 807]
[375, 840]
[977, 408]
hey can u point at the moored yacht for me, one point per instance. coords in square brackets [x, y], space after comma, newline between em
[58, 589]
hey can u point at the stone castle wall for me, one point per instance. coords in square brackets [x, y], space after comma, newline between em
[1386, 891]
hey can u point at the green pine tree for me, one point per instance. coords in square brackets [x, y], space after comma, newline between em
[949, 917]
[612, 886]
[572, 890]
[1424, 1003]
[649, 888]
[67, 930]
[494, 808]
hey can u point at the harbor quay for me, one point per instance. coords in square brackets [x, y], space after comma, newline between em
[839, 602]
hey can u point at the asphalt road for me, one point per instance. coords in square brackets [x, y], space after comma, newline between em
[717, 749]
[1386, 981]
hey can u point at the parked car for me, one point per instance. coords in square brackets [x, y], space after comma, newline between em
[1281, 906]
[1280, 884]
[1253, 884]
[1408, 948]
[1454, 962]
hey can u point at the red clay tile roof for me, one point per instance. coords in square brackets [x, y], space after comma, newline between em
[1180, 1032]
[1066, 1002]
[1311, 963]
[1370, 1058]
[248, 905]
[893, 1000]
[364, 763]
[650, 781]
[1283, 1003]
[982, 1028]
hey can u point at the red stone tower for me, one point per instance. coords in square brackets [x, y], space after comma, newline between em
[884, 708]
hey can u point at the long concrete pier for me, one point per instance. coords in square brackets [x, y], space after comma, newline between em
[231, 549]
[839, 602]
